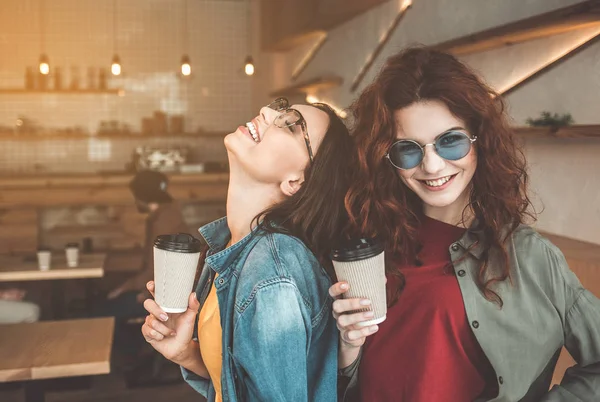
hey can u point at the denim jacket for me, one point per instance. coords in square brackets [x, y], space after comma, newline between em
[279, 337]
[545, 308]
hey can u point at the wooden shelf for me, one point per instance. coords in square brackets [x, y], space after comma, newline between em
[578, 16]
[310, 86]
[579, 131]
[23, 91]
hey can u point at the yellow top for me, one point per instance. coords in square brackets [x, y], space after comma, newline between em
[209, 338]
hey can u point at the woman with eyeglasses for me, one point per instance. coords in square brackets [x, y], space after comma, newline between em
[264, 328]
[479, 304]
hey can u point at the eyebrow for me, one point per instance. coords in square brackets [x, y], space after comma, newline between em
[457, 128]
[451, 129]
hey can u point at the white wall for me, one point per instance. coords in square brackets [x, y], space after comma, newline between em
[79, 33]
[564, 174]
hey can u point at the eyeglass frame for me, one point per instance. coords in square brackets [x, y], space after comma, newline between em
[471, 141]
[301, 122]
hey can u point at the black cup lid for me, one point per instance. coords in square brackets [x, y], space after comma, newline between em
[180, 243]
[357, 249]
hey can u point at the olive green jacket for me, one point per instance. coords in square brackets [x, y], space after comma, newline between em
[545, 308]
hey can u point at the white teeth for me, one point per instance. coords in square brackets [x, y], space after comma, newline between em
[253, 131]
[438, 182]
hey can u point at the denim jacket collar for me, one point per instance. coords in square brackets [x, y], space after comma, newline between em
[217, 234]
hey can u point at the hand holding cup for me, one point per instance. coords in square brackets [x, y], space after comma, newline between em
[170, 334]
[352, 334]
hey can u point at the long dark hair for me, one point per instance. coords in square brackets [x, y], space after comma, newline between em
[315, 213]
[380, 205]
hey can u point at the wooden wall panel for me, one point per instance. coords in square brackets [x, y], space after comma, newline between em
[18, 230]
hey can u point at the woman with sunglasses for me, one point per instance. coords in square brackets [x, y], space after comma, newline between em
[264, 331]
[479, 304]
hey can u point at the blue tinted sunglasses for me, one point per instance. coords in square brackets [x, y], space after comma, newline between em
[451, 145]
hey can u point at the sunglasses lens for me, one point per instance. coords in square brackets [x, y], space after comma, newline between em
[453, 145]
[405, 154]
[288, 119]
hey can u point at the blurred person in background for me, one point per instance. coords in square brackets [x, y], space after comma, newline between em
[149, 188]
[164, 216]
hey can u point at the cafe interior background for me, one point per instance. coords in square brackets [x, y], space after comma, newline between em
[71, 140]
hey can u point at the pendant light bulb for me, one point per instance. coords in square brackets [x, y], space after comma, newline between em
[249, 66]
[186, 67]
[44, 65]
[115, 67]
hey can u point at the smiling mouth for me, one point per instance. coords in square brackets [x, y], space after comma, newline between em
[438, 182]
[253, 131]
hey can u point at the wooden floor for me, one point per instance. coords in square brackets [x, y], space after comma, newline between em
[111, 388]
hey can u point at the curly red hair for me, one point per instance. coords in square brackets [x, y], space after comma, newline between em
[380, 205]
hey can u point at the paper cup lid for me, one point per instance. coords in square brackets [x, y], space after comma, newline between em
[357, 249]
[179, 243]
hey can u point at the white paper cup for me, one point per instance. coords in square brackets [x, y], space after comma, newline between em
[175, 263]
[72, 255]
[44, 259]
[361, 263]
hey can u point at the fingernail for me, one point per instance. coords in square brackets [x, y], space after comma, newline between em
[195, 296]
[369, 314]
[365, 302]
[344, 286]
[164, 317]
[374, 328]
[149, 283]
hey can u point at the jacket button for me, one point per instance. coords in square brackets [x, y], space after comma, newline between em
[475, 324]
[461, 273]
[221, 281]
[455, 247]
[501, 380]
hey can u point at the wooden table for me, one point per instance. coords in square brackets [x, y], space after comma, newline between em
[13, 269]
[54, 349]
[17, 269]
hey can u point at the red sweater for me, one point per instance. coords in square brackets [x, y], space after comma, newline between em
[425, 351]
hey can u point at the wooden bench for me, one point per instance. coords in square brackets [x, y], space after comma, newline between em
[54, 349]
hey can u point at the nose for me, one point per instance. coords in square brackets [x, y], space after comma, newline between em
[268, 115]
[432, 163]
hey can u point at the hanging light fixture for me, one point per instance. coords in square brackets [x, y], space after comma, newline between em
[44, 61]
[249, 66]
[115, 67]
[44, 64]
[186, 66]
[249, 62]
